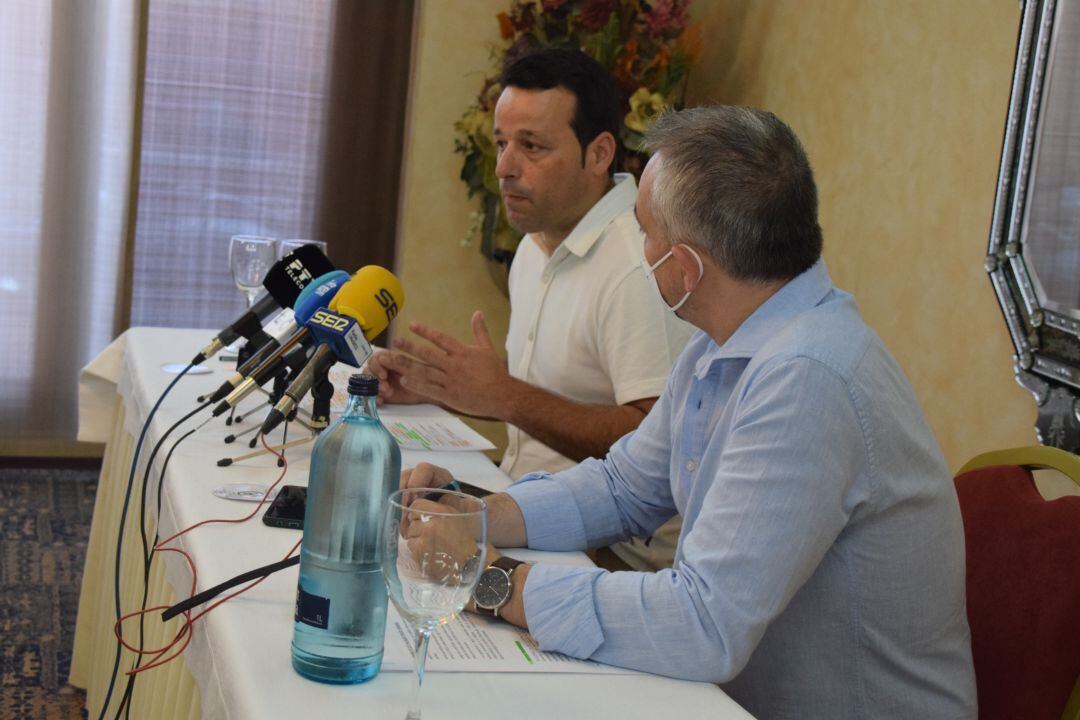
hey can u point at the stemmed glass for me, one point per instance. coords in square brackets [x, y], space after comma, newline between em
[250, 257]
[287, 246]
[432, 545]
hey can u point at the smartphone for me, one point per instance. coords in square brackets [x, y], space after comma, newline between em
[287, 509]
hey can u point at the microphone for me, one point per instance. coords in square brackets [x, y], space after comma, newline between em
[360, 310]
[257, 369]
[283, 282]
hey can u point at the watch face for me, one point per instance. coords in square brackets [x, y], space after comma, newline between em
[493, 588]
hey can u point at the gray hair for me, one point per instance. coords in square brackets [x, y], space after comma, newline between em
[735, 182]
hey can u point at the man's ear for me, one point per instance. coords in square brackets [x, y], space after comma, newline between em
[600, 153]
[692, 271]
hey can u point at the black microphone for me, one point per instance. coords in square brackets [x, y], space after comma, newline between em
[319, 364]
[267, 353]
[283, 283]
[296, 349]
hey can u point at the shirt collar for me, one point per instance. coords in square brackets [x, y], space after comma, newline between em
[620, 198]
[801, 293]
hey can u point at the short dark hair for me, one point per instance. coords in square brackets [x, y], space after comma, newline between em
[735, 182]
[597, 107]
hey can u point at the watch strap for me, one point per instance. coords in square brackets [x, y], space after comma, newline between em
[506, 563]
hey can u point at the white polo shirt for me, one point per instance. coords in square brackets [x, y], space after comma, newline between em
[585, 324]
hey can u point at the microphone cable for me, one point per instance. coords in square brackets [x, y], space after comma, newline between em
[185, 631]
[206, 595]
[148, 552]
[123, 522]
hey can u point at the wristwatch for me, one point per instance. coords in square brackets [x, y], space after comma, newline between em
[494, 587]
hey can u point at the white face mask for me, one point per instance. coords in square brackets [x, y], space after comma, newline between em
[650, 271]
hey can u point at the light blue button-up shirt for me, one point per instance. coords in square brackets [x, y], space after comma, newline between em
[820, 569]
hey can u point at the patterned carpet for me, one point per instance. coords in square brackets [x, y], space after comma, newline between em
[44, 525]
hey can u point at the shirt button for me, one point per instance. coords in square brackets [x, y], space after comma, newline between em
[531, 335]
[690, 465]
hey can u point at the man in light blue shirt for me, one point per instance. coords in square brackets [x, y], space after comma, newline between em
[820, 568]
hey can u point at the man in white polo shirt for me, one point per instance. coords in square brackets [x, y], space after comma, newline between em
[590, 344]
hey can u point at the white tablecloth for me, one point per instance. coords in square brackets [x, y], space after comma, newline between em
[239, 656]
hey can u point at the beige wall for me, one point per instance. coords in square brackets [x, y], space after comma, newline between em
[444, 281]
[901, 107]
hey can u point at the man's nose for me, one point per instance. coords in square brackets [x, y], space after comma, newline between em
[507, 166]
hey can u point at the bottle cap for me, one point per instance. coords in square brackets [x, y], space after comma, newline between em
[363, 384]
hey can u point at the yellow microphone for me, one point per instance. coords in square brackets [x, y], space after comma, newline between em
[372, 297]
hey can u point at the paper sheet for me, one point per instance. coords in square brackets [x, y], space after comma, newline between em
[471, 643]
[434, 433]
[415, 427]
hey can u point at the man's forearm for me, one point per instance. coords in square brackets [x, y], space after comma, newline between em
[576, 430]
[506, 524]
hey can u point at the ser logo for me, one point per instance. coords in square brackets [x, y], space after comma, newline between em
[385, 298]
[329, 320]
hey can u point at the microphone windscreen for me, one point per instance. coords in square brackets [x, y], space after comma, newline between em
[317, 294]
[292, 273]
[373, 296]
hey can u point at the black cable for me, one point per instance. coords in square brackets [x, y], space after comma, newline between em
[148, 551]
[205, 595]
[123, 521]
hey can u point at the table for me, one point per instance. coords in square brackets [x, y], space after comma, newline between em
[238, 664]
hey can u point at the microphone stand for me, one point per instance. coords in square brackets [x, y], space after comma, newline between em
[322, 392]
[255, 342]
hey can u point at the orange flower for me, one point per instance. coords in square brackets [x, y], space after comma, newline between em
[663, 57]
[506, 27]
[627, 58]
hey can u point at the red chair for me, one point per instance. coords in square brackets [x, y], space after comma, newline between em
[1023, 585]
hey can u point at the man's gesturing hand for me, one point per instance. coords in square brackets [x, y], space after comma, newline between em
[471, 379]
[390, 389]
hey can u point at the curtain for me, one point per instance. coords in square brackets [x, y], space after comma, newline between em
[139, 136]
[67, 90]
[233, 110]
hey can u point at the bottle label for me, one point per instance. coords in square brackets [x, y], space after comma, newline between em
[311, 609]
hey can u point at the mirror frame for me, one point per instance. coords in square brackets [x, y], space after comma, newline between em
[1046, 341]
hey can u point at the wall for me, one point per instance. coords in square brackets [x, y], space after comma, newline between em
[445, 281]
[901, 107]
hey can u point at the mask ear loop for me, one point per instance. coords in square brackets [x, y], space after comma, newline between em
[701, 274]
[650, 269]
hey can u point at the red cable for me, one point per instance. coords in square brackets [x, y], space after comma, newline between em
[186, 629]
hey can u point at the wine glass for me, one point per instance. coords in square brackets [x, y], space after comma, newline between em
[250, 257]
[287, 246]
[432, 546]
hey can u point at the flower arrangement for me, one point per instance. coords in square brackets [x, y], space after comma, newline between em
[647, 45]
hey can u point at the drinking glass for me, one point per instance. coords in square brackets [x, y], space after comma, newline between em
[432, 545]
[287, 246]
[250, 257]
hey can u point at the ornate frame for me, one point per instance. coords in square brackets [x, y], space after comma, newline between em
[1045, 336]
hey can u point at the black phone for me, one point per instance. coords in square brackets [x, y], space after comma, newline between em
[287, 509]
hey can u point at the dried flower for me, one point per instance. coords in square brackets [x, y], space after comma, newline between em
[668, 17]
[596, 13]
[644, 107]
[506, 26]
